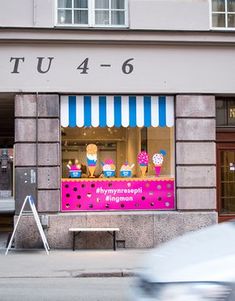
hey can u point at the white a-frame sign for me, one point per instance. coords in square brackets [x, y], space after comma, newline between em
[30, 199]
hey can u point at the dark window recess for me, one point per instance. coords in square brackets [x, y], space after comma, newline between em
[225, 112]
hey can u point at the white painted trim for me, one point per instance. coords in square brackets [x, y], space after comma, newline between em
[210, 13]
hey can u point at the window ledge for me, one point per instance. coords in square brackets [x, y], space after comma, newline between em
[75, 26]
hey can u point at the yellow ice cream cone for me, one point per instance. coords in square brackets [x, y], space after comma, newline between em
[91, 171]
[143, 170]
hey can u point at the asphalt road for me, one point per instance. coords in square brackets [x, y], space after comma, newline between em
[56, 289]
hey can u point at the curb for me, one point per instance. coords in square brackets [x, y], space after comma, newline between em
[104, 274]
[114, 274]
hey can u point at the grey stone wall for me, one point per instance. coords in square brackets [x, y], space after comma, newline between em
[137, 229]
[195, 152]
[37, 143]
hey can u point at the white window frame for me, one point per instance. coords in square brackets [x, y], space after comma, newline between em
[91, 17]
[226, 18]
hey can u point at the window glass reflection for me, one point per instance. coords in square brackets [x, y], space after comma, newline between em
[221, 112]
[218, 5]
[118, 4]
[231, 20]
[231, 113]
[218, 20]
[118, 18]
[102, 17]
[81, 17]
[65, 4]
[65, 16]
[80, 3]
[102, 4]
[231, 5]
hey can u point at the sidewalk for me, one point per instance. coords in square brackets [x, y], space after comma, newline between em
[69, 264]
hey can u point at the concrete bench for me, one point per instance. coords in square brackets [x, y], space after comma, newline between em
[111, 231]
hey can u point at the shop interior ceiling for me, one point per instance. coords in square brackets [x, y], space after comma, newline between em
[6, 120]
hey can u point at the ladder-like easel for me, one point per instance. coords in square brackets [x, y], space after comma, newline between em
[30, 200]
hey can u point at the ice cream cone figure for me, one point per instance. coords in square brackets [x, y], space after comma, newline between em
[158, 159]
[143, 169]
[91, 158]
[91, 171]
[143, 160]
[157, 170]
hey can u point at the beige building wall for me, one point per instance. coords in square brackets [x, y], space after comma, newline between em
[170, 14]
[147, 14]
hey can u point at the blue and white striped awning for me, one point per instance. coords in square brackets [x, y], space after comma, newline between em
[102, 111]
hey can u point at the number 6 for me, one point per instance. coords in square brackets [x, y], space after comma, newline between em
[127, 68]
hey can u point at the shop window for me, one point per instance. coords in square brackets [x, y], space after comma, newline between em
[225, 112]
[117, 153]
[223, 14]
[92, 13]
[120, 145]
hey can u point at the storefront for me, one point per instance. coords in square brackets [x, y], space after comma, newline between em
[106, 102]
[131, 141]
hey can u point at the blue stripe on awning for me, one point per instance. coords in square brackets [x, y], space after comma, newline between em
[102, 110]
[132, 111]
[162, 111]
[72, 111]
[147, 111]
[117, 111]
[87, 110]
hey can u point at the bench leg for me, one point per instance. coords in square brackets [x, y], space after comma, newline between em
[114, 240]
[73, 241]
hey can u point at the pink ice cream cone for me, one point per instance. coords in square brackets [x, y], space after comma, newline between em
[157, 161]
[143, 160]
[157, 170]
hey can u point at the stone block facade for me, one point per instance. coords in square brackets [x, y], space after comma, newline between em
[195, 152]
[37, 143]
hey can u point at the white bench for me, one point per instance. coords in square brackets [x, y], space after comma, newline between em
[111, 231]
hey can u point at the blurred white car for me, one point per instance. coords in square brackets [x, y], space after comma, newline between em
[197, 266]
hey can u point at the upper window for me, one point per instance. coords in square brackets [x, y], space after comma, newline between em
[225, 112]
[223, 14]
[100, 13]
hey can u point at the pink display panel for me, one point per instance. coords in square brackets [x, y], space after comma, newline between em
[117, 194]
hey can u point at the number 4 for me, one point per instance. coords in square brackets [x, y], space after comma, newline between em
[83, 66]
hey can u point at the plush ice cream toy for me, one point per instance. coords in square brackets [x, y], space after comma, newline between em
[91, 151]
[109, 168]
[126, 170]
[143, 160]
[74, 169]
[158, 159]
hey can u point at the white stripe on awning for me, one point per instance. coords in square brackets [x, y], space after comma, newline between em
[154, 111]
[80, 111]
[110, 111]
[64, 111]
[95, 111]
[140, 111]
